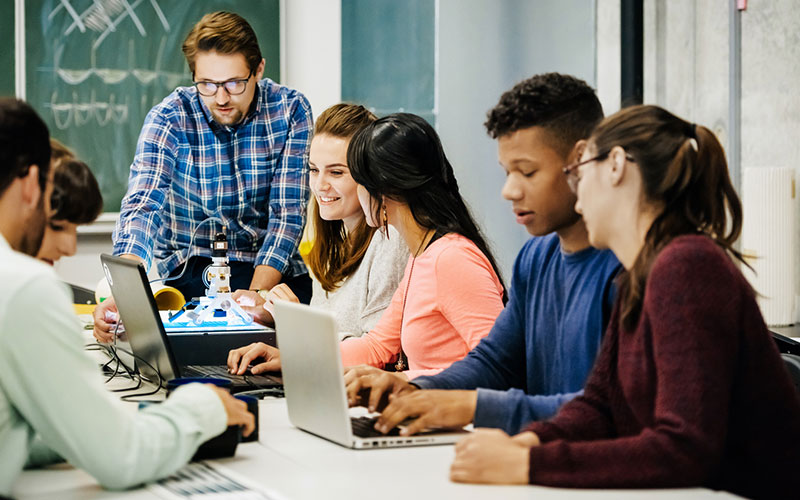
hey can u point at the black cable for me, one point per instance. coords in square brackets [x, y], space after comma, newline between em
[191, 242]
[113, 353]
[128, 373]
[159, 385]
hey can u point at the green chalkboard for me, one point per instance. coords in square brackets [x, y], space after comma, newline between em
[96, 67]
[388, 55]
[7, 47]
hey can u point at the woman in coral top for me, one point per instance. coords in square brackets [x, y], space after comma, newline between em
[689, 388]
[451, 291]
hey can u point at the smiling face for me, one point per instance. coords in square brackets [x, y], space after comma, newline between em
[334, 189]
[60, 240]
[535, 184]
[212, 66]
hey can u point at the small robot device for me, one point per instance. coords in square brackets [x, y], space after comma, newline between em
[218, 294]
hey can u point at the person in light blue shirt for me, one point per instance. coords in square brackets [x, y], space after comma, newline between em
[543, 345]
[53, 404]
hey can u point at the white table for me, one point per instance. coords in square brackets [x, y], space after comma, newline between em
[298, 465]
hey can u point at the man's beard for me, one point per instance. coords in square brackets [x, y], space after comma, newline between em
[229, 120]
[34, 234]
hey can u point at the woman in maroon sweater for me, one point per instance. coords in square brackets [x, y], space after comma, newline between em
[689, 388]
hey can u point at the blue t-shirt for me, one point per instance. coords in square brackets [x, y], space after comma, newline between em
[543, 345]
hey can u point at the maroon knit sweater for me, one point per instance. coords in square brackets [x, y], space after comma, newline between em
[696, 395]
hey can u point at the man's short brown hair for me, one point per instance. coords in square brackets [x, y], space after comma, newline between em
[225, 33]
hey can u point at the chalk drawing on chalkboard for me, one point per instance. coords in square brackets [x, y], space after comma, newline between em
[104, 16]
[76, 112]
[112, 76]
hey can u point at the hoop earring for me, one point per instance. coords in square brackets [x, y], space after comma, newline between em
[385, 221]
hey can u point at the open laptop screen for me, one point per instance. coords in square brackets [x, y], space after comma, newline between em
[139, 313]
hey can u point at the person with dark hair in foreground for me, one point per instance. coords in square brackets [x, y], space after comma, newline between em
[53, 405]
[76, 200]
[543, 344]
[689, 388]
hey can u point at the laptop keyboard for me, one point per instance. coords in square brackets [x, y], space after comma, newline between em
[220, 371]
[365, 427]
[217, 371]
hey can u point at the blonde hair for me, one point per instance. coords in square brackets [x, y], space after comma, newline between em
[336, 254]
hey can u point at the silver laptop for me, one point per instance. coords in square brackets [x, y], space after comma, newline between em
[314, 384]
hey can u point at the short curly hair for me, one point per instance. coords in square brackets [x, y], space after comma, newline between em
[566, 106]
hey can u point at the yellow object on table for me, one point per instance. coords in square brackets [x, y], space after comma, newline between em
[167, 299]
[84, 308]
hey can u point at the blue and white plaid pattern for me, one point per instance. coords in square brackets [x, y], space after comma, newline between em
[188, 168]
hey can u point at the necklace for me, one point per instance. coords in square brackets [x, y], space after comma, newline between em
[402, 362]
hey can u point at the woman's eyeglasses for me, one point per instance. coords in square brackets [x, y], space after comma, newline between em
[573, 175]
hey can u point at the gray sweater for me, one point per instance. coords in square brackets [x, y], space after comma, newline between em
[362, 297]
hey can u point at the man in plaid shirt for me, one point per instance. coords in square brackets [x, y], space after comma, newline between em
[230, 151]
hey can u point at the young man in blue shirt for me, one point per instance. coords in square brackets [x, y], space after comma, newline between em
[542, 346]
[230, 151]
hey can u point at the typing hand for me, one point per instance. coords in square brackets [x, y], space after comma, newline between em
[240, 359]
[429, 409]
[369, 386]
[105, 319]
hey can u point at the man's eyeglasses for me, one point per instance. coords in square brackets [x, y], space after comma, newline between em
[573, 176]
[232, 87]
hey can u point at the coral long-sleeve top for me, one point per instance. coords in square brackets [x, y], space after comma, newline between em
[453, 298]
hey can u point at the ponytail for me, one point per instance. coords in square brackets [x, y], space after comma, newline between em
[683, 168]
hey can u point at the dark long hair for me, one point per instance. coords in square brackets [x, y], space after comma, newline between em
[335, 255]
[76, 196]
[401, 157]
[683, 168]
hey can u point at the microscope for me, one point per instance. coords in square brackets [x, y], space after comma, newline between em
[216, 277]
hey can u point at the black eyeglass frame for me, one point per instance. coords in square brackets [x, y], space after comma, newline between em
[224, 84]
[571, 171]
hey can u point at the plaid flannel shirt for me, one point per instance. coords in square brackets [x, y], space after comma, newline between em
[253, 177]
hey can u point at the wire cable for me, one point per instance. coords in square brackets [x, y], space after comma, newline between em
[191, 245]
[159, 385]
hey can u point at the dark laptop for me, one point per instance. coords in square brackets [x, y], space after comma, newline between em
[148, 339]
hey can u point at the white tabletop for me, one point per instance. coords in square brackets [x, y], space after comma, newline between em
[298, 465]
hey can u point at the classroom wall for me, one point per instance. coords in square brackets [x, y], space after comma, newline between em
[485, 48]
[313, 50]
[686, 71]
